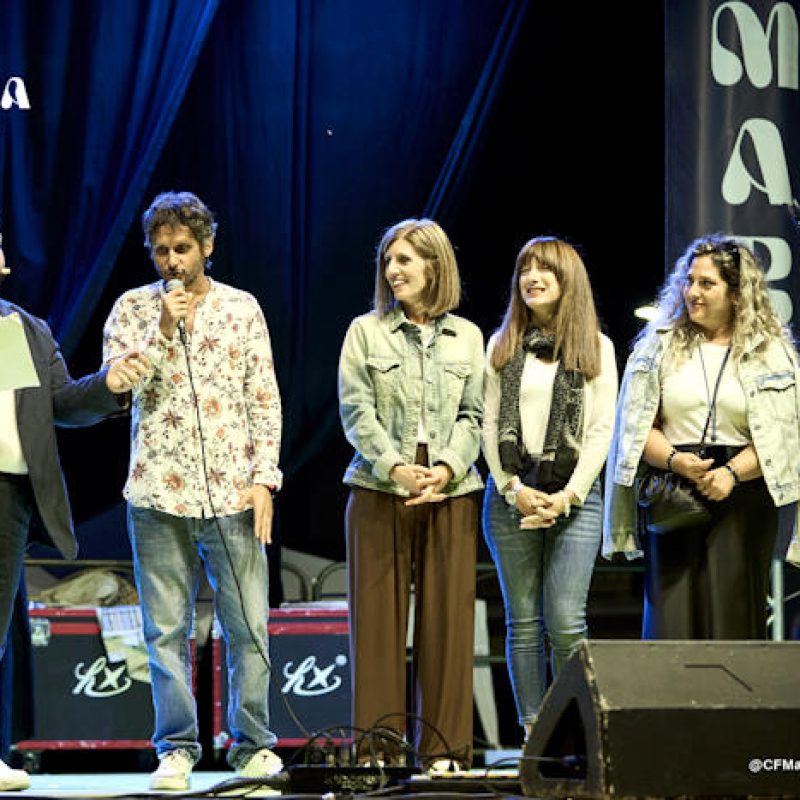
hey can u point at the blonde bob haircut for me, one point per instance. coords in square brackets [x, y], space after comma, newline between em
[430, 243]
[754, 318]
[575, 324]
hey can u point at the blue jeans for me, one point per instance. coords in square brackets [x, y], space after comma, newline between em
[544, 576]
[167, 555]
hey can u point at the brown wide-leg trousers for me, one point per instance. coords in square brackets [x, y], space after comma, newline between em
[389, 546]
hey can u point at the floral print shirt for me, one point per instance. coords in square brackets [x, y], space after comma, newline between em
[192, 458]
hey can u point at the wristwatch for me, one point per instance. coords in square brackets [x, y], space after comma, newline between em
[511, 494]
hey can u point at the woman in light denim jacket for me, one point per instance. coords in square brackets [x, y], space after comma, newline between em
[715, 325]
[410, 400]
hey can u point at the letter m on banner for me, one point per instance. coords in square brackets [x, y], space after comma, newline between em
[732, 131]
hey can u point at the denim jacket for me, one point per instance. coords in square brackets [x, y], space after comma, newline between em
[772, 389]
[382, 371]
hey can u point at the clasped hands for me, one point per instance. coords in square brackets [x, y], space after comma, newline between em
[424, 484]
[713, 484]
[539, 509]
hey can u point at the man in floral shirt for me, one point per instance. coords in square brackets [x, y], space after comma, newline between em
[205, 438]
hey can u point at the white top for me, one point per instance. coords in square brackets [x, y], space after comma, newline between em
[686, 392]
[426, 331]
[11, 458]
[536, 392]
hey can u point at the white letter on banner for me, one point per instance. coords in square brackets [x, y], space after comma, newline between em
[769, 153]
[726, 66]
[18, 98]
[778, 266]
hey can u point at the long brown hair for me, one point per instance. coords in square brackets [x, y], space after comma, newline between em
[575, 323]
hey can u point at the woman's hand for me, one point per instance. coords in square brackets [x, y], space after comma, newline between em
[549, 508]
[691, 466]
[409, 476]
[432, 485]
[423, 484]
[716, 484]
[529, 500]
[543, 517]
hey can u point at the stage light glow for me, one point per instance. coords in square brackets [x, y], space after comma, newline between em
[647, 312]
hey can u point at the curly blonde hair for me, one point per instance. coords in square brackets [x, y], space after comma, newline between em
[742, 272]
[575, 322]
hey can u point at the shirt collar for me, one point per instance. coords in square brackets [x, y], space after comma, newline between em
[397, 319]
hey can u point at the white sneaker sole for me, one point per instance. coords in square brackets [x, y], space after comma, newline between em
[14, 784]
[170, 784]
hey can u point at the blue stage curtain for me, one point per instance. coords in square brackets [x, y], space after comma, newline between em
[105, 80]
[311, 126]
[307, 125]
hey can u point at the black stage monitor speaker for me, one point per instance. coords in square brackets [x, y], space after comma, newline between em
[631, 719]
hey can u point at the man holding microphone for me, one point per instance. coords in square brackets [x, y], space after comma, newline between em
[205, 440]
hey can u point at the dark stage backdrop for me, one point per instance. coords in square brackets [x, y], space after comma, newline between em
[309, 127]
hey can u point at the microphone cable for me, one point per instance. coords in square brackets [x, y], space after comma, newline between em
[265, 658]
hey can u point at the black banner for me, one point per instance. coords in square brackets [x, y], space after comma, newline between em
[733, 132]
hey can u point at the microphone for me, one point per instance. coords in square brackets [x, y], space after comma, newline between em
[170, 286]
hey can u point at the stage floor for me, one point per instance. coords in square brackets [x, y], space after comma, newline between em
[494, 782]
[119, 784]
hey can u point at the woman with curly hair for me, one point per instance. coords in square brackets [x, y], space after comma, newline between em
[551, 386]
[717, 368]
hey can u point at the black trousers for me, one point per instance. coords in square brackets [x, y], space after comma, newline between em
[16, 685]
[712, 582]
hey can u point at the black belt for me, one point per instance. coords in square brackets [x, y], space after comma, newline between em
[13, 477]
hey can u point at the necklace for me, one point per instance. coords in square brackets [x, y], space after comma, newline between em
[712, 400]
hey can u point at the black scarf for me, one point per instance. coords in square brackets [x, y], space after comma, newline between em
[562, 441]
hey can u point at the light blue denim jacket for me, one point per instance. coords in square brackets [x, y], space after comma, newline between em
[771, 385]
[382, 371]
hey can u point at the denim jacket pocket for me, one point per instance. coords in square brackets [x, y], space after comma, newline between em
[456, 374]
[775, 381]
[458, 371]
[385, 372]
[776, 394]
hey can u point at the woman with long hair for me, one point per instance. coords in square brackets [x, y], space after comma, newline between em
[710, 393]
[550, 391]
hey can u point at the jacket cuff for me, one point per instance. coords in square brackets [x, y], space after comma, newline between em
[450, 457]
[385, 463]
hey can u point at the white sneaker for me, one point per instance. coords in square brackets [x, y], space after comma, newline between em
[262, 764]
[13, 779]
[443, 767]
[173, 772]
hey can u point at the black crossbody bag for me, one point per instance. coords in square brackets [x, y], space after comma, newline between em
[669, 501]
